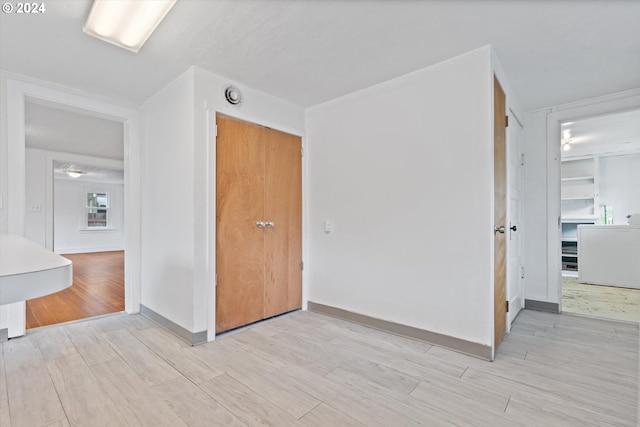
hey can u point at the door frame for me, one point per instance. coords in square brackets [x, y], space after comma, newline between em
[210, 211]
[18, 91]
[605, 105]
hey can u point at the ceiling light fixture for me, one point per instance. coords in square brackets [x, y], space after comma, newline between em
[126, 23]
[75, 174]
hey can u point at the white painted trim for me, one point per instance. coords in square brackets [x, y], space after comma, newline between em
[604, 105]
[17, 92]
[211, 222]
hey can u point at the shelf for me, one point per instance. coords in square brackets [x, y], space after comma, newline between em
[577, 178]
[570, 255]
[578, 198]
[586, 219]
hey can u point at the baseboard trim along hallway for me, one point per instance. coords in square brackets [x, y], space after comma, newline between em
[193, 338]
[446, 341]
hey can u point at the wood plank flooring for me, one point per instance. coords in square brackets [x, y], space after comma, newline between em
[98, 288]
[605, 302]
[305, 369]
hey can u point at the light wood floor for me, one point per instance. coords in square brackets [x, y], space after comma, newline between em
[98, 288]
[306, 369]
[607, 302]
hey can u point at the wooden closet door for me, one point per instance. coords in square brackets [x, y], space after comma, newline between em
[239, 242]
[283, 206]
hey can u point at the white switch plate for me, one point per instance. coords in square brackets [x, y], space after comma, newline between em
[328, 226]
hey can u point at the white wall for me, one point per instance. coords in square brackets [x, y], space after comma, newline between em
[35, 195]
[404, 172]
[167, 202]
[535, 214]
[4, 162]
[542, 188]
[620, 185]
[178, 195]
[39, 216]
[69, 213]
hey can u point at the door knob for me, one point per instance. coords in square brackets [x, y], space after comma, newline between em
[500, 229]
[260, 224]
[269, 224]
[514, 228]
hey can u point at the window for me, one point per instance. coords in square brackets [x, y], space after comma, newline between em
[97, 209]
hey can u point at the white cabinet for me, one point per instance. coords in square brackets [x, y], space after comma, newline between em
[609, 255]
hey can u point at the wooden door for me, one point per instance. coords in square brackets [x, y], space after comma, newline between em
[283, 208]
[239, 242]
[500, 211]
[259, 223]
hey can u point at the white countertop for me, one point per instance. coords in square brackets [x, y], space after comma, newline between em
[28, 270]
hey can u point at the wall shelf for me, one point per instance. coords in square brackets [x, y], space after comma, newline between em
[580, 198]
[578, 178]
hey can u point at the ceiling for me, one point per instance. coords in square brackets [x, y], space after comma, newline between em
[308, 52]
[603, 135]
[48, 127]
[90, 173]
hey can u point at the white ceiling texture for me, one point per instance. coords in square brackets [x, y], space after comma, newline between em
[311, 51]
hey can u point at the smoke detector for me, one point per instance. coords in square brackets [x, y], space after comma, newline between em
[232, 95]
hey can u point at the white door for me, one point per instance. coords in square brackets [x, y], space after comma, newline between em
[515, 179]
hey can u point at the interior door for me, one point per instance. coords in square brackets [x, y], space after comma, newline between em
[259, 223]
[283, 212]
[515, 291]
[500, 211]
[239, 241]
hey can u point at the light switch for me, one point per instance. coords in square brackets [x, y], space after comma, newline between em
[328, 226]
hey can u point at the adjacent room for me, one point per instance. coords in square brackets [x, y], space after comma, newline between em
[600, 218]
[318, 213]
[75, 207]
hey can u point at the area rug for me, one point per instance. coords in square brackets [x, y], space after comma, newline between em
[607, 302]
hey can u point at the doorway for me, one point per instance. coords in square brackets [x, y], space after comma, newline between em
[600, 174]
[75, 207]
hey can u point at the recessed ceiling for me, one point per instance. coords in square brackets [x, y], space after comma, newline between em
[311, 51]
[604, 134]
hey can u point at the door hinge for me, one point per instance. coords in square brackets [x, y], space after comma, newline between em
[506, 121]
[301, 151]
[522, 272]
[216, 281]
[301, 265]
[507, 304]
[216, 130]
[522, 159]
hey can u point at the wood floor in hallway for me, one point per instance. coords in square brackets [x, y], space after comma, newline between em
[98, 288]
[306, 369]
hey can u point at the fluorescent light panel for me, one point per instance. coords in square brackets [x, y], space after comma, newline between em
[126, 23]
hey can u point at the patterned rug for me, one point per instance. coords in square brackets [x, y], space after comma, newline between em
[606, 302]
